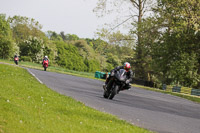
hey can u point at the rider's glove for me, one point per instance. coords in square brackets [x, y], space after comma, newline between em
[112, 73]
[127, 81]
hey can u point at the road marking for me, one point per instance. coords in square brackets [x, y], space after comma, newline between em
[34, 76]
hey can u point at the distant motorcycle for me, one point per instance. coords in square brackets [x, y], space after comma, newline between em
[45, 64]
[116, 84]
[16, 59]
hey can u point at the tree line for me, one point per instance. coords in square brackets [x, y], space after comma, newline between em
[23, 36]
[163, 47]
[167, 37]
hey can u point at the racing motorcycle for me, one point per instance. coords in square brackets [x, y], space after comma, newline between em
[45, 64]
[116, 84]
[16, 59]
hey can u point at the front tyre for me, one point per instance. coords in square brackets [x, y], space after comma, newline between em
[16, 62]
[107, 90]
[114, 92]
[105, 94]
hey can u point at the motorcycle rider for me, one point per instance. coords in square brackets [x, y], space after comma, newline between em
[16, 59]
[45, 58]
[129, 74]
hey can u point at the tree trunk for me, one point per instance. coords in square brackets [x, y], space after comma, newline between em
[140, 70]
[198, 72]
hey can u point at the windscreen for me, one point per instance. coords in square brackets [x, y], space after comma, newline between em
[121, 75]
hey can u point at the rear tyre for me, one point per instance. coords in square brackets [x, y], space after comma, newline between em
[45, 68]
[114, 92]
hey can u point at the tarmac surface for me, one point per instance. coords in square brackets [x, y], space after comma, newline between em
[155, 111]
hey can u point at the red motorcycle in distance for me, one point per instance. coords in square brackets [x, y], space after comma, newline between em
[16, 59]
[45, 64]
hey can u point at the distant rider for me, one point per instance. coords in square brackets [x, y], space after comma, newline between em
[16, 59]
[129, 74]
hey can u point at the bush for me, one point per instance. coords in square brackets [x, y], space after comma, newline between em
[92, 65]
[68, 57]
[109, 67]
[25, 58]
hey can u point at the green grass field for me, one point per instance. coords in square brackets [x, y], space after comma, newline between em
[26, 106]
[52, 68]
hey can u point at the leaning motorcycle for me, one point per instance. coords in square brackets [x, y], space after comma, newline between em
[45, 64]
[116, 84]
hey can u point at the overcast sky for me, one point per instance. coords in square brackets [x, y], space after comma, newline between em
[70, 16]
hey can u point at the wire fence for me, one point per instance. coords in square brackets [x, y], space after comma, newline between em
[169, 88]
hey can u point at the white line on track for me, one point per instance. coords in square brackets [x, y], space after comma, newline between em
[34, 76]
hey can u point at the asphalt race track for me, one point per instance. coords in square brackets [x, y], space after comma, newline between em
[151, 110]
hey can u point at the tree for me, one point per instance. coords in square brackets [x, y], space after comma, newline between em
[176, 53]
[6, 44]
[62, 34]
[100, 46]
[23, 27]
[68, 57]
[150, 34]
[118, 47]
[116, 38]
[90, 57]
[141, 6]
[112, 59]
[32, 48]
[50, 50]
[92, 65]
[72, 37]
[52, 35]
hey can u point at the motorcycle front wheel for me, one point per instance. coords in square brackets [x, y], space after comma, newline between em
[16, 62]
[114, 92]
[105, 94]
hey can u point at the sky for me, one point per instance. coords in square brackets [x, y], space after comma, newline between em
[71, 16]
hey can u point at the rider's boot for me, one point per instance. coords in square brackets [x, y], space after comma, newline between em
[104, 86]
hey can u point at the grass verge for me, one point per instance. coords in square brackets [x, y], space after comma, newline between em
[186, 96]
[28, 106]
[52, 69]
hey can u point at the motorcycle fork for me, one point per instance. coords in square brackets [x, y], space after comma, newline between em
[110, 84]
[121, 88]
